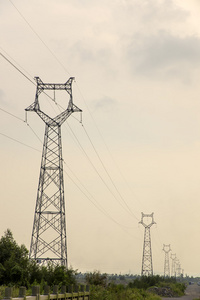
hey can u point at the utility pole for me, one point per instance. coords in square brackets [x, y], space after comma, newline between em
[147, 266]
[173, 258]
[166, 249]
[49, 239]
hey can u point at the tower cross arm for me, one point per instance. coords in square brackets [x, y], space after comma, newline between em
[54, 86]
[166, 248]
[147, 216]
[62, 117]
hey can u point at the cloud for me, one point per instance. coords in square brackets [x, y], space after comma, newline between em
[105, 104]
[162, 14]
[162, 11]
[164, 55]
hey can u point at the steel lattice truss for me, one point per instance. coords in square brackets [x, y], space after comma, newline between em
[49, 239]
[147, 265]
[166, 249]
[173, 258]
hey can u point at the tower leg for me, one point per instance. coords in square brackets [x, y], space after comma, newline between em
[147, 266]
[49, 240]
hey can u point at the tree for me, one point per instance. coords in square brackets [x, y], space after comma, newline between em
[13, 261]
[17, 269]
[96, 278]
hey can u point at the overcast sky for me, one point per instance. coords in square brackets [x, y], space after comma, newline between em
[137, 70]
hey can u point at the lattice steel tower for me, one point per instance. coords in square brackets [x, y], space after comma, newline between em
[166, 249]
[178, 268]
[147, 266]
[173, 258]
[49, 239]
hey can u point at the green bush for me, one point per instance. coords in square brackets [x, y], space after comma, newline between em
[17, 270]
[120, 292]
[96, 278]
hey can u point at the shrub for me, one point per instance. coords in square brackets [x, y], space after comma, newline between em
[96, 278]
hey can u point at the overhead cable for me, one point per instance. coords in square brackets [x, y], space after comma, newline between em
[33, 30]
[15, 140]
[105, 169]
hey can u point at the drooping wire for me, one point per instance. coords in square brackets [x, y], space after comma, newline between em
[105, 169]
[15, 140]
[77, 141]
[33, 30]
[92, 163]
[57, 61]
[94, 202]
[17, 68]
[47, 48]
[69, 127]
[20, 119]
[22, 73]
[120, 172]
[38, 36]
[127, 207]
[11, 58]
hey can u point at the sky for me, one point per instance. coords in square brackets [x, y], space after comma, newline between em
[137, 67]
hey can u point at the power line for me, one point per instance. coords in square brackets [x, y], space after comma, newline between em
[15, 140]
[16, 62]
[20, 119]
[11, 114]
[95, 203]
[22, 73]
[104, 182]
[34, 132]
[33, 30]
[127, 207]
[17, 68]
[101, 208]
[120, 172]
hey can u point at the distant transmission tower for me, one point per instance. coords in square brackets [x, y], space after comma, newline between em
[173, 258]
[166, 249]
[49, 239]
[147, 266]
[178, 269]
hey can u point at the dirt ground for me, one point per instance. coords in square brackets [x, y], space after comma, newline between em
[192, 292]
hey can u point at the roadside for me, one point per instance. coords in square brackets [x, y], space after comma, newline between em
[192, 292]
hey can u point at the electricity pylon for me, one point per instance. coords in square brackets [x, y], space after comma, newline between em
[49, 239]
[147, 266]
[173, 258]
[166, 249]
[178, 268]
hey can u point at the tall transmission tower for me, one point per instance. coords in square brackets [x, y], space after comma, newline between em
[178, 269]
[173, 258]
[49, 239]
[147, 266]
[166, 249]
